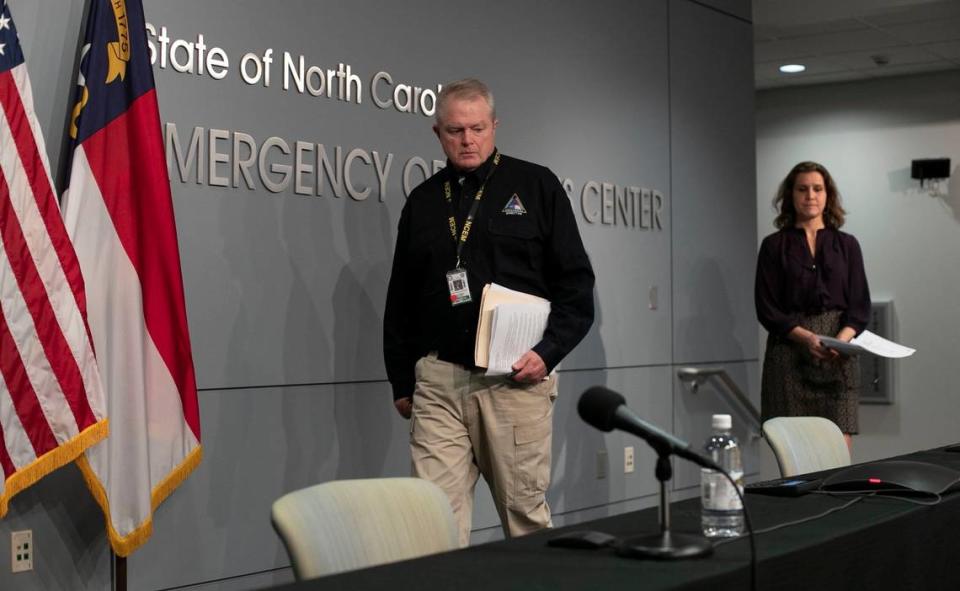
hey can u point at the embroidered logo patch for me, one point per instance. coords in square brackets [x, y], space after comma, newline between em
[514, 206]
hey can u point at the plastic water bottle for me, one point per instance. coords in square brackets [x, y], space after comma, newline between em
[722, 511]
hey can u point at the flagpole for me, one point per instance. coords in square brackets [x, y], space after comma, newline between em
[119, 572]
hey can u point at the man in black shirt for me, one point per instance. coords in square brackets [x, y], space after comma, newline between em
[485, 218]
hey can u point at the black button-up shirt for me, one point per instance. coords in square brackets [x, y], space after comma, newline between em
[791, 282]
[537, 250]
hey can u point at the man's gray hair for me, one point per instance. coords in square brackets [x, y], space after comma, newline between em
[468, 88]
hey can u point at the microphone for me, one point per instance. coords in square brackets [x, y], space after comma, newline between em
[607, 410]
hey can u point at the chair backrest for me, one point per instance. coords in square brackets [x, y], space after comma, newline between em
[806, 444]
[349, 524]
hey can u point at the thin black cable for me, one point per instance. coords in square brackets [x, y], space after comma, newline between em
[799, 521]
[820, 515]
[937, 498]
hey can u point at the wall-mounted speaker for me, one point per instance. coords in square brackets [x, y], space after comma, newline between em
[930, 168]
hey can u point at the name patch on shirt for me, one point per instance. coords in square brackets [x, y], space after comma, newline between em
[514, 206]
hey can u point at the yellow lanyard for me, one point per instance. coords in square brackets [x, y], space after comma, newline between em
[468, 223]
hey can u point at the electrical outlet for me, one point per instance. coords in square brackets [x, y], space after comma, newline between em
[21, 550]
[628, 459]
[601, 464]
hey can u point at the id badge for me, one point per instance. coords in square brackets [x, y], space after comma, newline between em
[459, 288]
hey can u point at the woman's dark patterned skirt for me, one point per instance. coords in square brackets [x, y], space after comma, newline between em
[794, 384]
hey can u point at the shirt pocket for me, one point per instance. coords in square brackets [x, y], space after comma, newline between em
[517, 244]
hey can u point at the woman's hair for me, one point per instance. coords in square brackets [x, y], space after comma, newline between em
[833, 213]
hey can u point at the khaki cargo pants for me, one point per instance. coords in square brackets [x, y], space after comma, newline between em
[464, 424]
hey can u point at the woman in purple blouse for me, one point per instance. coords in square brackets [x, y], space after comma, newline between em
[810, 282]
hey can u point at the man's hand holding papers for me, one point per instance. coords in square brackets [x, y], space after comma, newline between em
[511, 323]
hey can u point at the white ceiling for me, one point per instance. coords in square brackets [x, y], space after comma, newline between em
[843, 40]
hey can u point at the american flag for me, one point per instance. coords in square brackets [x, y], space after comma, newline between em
[119, 212]
[51, 399]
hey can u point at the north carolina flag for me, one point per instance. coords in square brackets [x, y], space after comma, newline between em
[51, 399]
[119, 212]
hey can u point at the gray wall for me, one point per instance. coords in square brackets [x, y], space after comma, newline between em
[866, 134]
[285, 291]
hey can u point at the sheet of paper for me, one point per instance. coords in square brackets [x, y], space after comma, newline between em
[514, 329]
[493, 296]
[868, 342]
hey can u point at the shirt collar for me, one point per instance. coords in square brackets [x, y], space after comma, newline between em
[477, 175]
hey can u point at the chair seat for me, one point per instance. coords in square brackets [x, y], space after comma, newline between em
[806, 444]
[350, 524]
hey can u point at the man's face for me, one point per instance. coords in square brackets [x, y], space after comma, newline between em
[467, 132]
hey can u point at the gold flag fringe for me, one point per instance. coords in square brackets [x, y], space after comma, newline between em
[124, 545]
[63, 454]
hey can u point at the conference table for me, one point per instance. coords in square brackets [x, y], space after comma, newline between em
[877, 542]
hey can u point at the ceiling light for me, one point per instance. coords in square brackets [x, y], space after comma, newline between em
[792, 68]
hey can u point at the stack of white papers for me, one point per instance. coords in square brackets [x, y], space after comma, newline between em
[870, 343]
[511, 323]
[514, 330]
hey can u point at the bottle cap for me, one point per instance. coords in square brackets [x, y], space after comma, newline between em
[722, 422]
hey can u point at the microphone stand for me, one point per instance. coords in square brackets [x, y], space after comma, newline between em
[666, 545]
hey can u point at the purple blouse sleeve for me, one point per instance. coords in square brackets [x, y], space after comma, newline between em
[771, 310]
[857, 314]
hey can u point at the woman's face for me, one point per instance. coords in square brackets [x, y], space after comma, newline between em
[809, 196]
